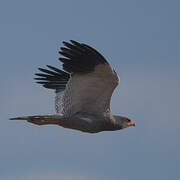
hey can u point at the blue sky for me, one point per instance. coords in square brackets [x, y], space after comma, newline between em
[141, 40]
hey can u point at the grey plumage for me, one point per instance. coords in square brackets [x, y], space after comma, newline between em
[83, 91]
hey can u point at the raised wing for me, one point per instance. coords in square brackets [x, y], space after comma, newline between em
[88, 83]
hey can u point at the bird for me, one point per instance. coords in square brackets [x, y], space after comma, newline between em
[83, 88]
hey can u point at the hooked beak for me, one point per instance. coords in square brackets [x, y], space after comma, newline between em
[131, 123]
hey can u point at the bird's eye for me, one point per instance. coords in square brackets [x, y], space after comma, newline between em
[128, 120]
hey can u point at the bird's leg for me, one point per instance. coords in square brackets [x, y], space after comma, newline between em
[41, 120]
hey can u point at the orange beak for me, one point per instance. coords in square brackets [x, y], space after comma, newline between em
[131, 123]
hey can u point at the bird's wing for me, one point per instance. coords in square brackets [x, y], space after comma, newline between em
[88, 83]
[54, 79]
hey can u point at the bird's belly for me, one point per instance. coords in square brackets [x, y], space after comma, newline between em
[84, 123]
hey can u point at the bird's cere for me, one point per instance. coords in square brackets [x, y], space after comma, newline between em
[131, 123]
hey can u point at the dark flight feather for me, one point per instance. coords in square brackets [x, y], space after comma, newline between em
[78, 59]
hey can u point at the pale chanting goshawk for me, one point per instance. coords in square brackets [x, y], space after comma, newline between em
[83, 91]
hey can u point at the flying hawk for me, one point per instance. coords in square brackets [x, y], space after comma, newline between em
[83, 91]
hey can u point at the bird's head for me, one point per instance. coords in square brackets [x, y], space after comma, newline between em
[124, 122]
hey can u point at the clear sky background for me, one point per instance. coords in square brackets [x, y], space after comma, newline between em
[141, 40]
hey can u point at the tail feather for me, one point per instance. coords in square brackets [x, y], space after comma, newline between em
[42, 119]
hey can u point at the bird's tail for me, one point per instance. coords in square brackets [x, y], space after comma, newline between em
[41, 119]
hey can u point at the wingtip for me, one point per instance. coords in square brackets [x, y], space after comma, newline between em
[75, 42]
[40, 69]
[71, 41]
[64, 42]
